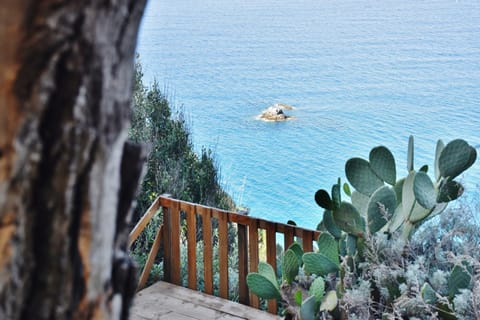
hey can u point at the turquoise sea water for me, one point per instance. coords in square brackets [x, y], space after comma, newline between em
[360, 73]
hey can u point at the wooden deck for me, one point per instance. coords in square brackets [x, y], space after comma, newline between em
[165, 301]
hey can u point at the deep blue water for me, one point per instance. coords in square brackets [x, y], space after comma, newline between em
[361, 74]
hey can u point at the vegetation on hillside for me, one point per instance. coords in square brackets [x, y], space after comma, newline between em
[173, 167]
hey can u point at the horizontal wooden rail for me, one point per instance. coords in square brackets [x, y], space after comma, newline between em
[180, 220]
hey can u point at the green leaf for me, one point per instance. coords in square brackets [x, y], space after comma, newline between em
[381, 208]
[307, 310]
[424, 190]
[408, 196]
[262, 287]
[298, 297]
[361, 176]
[267, 271]
[329, 301]
[291, 222]
[322, 198]
[317, 289]
[382, 163]
[346, 189]
[319, 264]
[349, 220]
[424, 168]
[398, 189]
[328, 247]
[410, 154]
[290, 266]
[456, 157]
[428, 294]
[398, 218]
[460, 278]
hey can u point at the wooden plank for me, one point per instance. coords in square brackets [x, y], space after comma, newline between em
[288, 237]
[207, 249]
[272, 259]
[167, 301]
[142, 223]
[253, 255]
[175, 276]
[242, 264]
[167, 246]
[307, 241]
[191, 244]
[150, 259]
[223, 253]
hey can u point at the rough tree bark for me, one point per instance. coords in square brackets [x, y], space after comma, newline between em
[67, 175]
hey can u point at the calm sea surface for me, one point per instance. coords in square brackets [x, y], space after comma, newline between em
[361, 74]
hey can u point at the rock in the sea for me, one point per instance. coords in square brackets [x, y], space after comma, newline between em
[275, 113]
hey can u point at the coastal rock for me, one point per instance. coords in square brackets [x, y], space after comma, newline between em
[275, 112]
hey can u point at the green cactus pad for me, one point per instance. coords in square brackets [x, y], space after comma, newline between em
[382, 163]
[262, 287]
[317, 289]
[322, 198]
[408, 196]
[419, 213]
[349, 220]
[290, 266]
[360, 201]
[317, 263]
[398, 218]
[460, 278]
[308, 309]
[438, 151]
[336, 196]
[398, 190]
[297, 248]
[449, 191]
[267, 271]
[424, 191]
[351, 245]
[330, 225]
[428, 294]
[328, 247]
[329, 301]
[410, 154]
[456, 157]
[361, 176]
[381, 207]
[424, 168]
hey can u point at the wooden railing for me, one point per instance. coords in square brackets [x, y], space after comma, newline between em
[248, 230]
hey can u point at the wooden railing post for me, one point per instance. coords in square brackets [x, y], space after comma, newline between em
[253, 248]
[272, 259]
[207, 249]
[192, 245]
[223, 246]
[242, 264]
[167, 240]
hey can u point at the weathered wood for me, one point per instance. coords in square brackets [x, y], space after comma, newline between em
[150, 259]
[207, 249]
[167, 301]
[66, 175]
[307, 240]
[191, 245]
[167, 242]
[272, 258]
[143, 222]
[253, 256]
[223, 253]
[175, 276]
[242, 264]
[289, 236]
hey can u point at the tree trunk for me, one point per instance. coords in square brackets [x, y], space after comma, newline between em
[67, 175]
